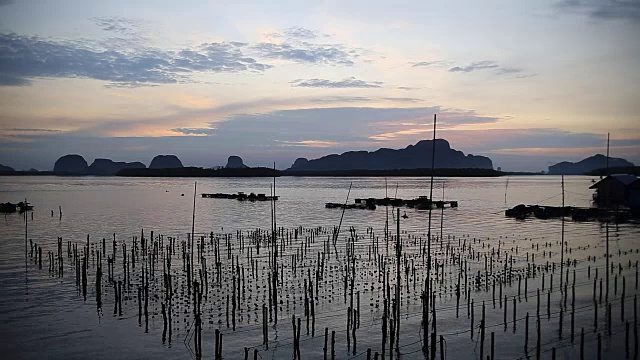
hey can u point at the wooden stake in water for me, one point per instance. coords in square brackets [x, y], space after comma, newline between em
[562, 236]
[428, 292]
[193, 223]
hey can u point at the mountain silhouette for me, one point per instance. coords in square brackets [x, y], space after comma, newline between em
[165, 162]
[587, 165]
[4, 168]
[110, 167]
[71, 164]
[416, 156]
[235, 162]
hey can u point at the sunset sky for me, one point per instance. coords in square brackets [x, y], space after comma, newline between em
[527, 83]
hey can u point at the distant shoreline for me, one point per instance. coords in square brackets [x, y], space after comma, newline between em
[267, 172]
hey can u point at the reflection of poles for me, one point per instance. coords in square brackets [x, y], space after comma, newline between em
[193, 223]
[427, 282]
[606, 200]
[506, 187]
[398, 283]
[26, 230]
[562, 238]
[442, 216]
[386, 222]
[275, 249]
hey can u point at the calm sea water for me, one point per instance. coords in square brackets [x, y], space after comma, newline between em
[43, 316]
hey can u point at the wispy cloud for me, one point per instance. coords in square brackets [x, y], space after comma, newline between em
[605, 9]
[296, 32]
[309, 53]
[310, 143]
[119, 25]
[195, 131]
[28, 130]
[486, 65]
[480, 65]
[25, 57]
[350, 82]
[427, 64]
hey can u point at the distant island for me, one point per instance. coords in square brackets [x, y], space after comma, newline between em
[414, 160]
[201, 172]
[235, 162]
[165, 162]
[74, 164]
[588, 165]
[416, 156]
[6, 169]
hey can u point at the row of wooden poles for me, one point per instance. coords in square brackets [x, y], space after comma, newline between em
[148, 252]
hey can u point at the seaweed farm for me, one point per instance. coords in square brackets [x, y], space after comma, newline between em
[117, 270]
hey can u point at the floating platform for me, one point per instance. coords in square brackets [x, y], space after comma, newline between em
[8, 208]
[575, 213]
[421, 203]
[360, 206]
[241, 196]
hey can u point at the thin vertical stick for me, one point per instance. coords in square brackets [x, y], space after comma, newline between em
[193, 224]
[428, 293]
[562, 236]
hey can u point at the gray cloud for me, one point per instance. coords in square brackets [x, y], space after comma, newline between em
[6, 2]
[195, 131]
[266, 137]
[350, 82]
[437, 63]
[24, 57]
[480, 65]
[359, 99]
[120, 25]
[605, 9]
[486, 65]
[9, 80]
[28, 130]
[295, 32]
[508, 70]
[305, 52]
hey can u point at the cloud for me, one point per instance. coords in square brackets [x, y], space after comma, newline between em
[360, 99]
[295, 32]
[605, 9]
[480, 65]
[310, 143]
[508, 70]
[437, 63]
[25, 57]
[9, 80]
[408, 88]
[485, 65]
[350, 82]
[308, 53]
[284, 135]
[28, 130]
[120, 25]
[195, 131]
[345, 126]
[6, 2]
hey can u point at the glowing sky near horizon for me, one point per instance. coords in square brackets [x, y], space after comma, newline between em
[526, 83]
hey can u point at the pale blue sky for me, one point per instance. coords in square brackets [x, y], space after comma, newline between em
[525, 83]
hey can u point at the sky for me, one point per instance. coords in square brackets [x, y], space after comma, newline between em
[526, 83]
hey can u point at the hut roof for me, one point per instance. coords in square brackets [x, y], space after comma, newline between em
[624, 179]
